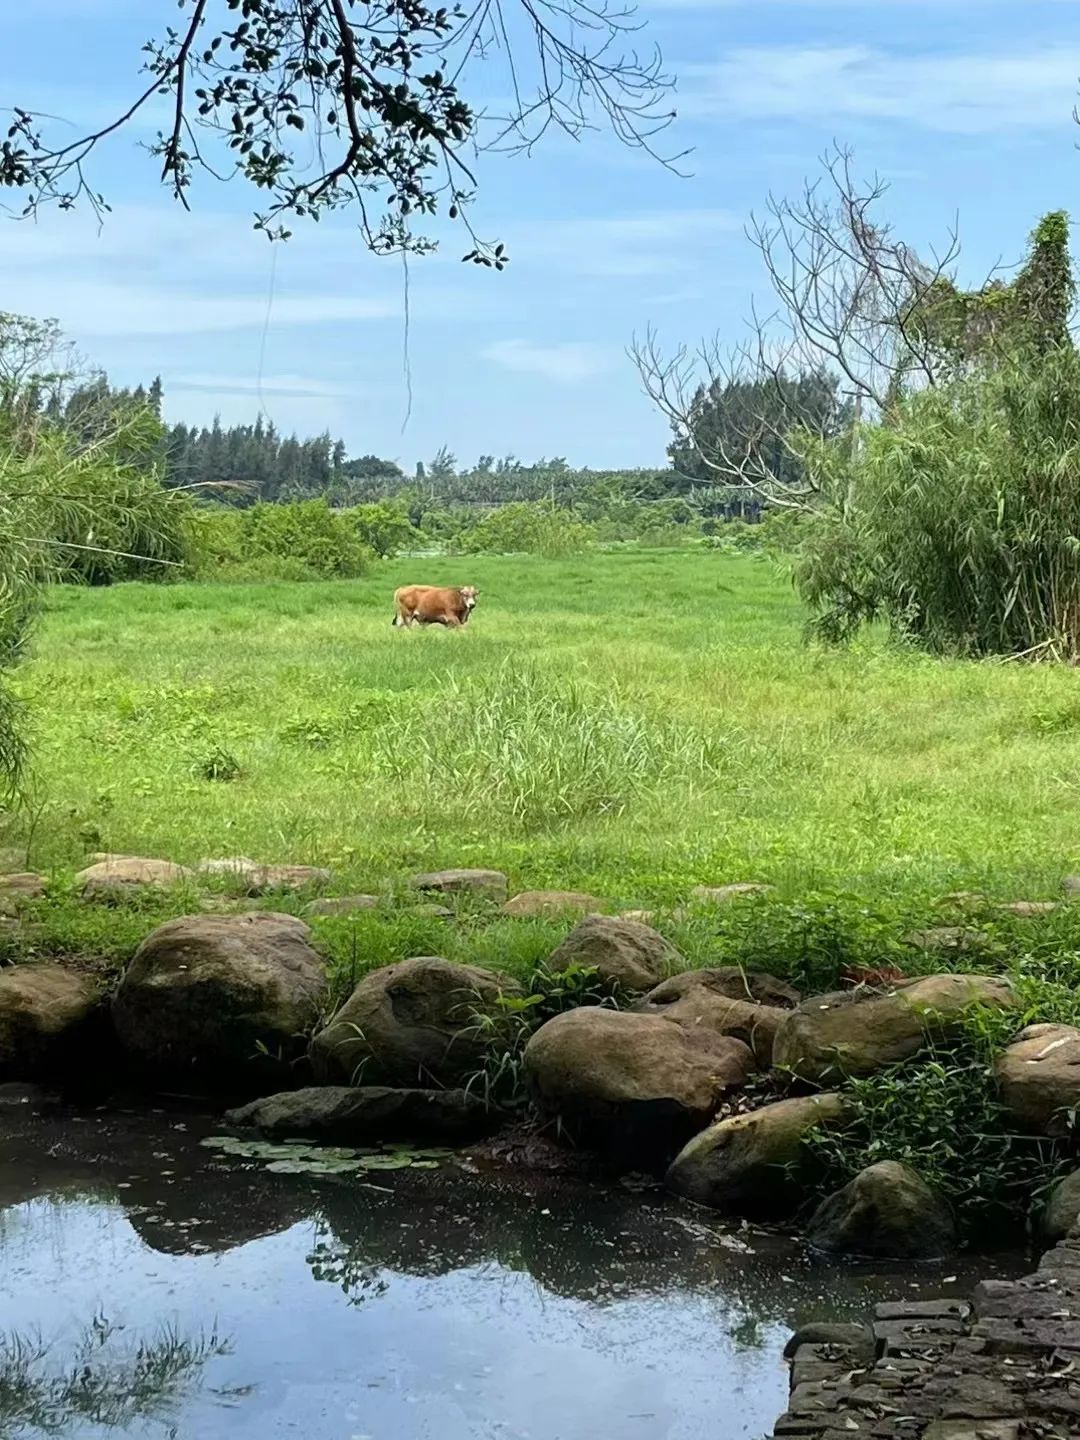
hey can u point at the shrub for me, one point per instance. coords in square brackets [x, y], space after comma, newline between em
[525, 527]
[941, 1115]
[958, 523]
[303, 540]
[384, 528]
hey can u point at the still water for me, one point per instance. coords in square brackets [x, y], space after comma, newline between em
[150, 1287]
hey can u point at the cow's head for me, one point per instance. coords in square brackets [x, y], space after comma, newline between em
[468, 595]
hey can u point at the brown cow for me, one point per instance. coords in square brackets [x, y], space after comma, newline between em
[433, 605]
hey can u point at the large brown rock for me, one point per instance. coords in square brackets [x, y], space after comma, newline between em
[252, 878]
[490, 884]
[754, 1163]
[858, 1032]
[1039, 1075]
[727, 1001]
[18, 891]
[120, 875]
[887, 1212]
[633, 1084]
[221, 998]
[343, 904]
[423, 1021]
[47, 1015]
[624, 953]
[347, 1115]
[552, 902]
[725, 894]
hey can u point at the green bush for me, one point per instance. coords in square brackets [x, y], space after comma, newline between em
[525, 527]
[384, 528]
[304, 540]
[958, 523]
[941, 1115]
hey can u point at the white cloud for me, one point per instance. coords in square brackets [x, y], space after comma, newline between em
[295, 387]
[651, 242]
[92, 308]
[566, 362]
[971, 94]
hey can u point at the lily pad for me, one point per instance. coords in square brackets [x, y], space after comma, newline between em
[385, 1162]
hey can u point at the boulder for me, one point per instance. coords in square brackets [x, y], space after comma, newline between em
[624, 953]
[221, 998]
[491, 884]
[16, 891]
[858, 1032]
[948, 937]
[232, 867]
[1071, 885]
[752, 1164]
[887, 1212]
[47, 1018]
[422, 1021]
[1029, 909]
[341, 1114]
[650, 917]
[727, 1001]
[119, 875]
[553, 902]
[1039, 1074]
[343, 904]
[292, 877]
[1062, 1209]
[255, 879]
[633, 1084]
[25, 884]
[724, 894]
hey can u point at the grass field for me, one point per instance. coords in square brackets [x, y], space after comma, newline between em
[628, 724]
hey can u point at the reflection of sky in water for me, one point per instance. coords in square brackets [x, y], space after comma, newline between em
[480, 1352]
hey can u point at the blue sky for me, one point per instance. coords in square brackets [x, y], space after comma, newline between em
[964, 105]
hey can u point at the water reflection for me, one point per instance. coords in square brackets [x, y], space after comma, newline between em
[439, 1305]
[106, 1381]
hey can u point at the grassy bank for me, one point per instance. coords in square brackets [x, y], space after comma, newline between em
[630, 724]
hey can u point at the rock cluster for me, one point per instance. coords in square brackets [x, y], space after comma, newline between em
[661, 1070]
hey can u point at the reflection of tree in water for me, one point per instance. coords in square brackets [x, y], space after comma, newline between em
[100, 1383]
[338, 1264]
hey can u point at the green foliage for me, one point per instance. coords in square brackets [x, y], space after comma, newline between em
[524, 528]
[305, 540]
[1029, 315]
[941, 1114]
[384, 528]
[500, 1079]
[321, 106]
[959, 523]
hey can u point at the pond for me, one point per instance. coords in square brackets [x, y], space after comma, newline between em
[151, 1286]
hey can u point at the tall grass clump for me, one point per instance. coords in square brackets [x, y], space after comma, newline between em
[536, 749]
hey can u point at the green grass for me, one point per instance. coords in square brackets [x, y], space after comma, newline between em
[628, 724]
